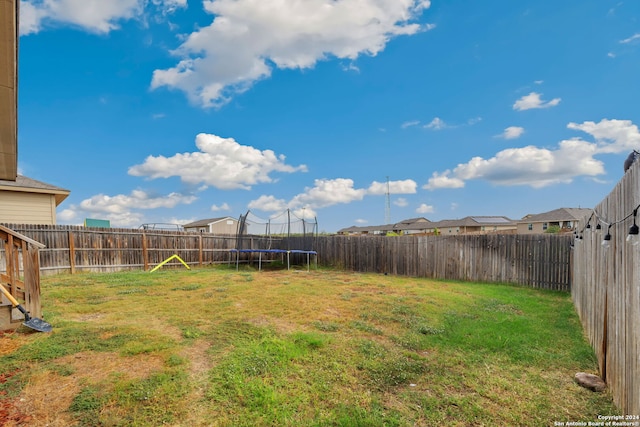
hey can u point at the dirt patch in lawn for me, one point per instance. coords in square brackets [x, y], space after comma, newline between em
[10, 342]
[47, 397]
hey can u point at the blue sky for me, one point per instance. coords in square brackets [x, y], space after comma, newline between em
[171, 111]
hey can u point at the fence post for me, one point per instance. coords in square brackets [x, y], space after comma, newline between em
[72, 253]
[145, 252]
[200, 250]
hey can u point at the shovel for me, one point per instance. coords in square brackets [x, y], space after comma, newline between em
[30, 322]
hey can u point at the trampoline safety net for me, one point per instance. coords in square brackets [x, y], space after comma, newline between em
[284, 231]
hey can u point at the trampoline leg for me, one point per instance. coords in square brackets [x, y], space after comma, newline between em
[260, 261]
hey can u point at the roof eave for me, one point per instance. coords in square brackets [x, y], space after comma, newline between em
[59, 194]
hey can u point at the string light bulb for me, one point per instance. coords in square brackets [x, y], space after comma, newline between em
[606, 242]
[633, 237]
[577, 237]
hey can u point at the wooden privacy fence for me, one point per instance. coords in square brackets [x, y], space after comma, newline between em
[606, 290]
[73, 248]
[539, 261]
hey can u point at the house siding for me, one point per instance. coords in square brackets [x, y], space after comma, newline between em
[539, 227]
[8, 89]
[226, 226]
[27, 208]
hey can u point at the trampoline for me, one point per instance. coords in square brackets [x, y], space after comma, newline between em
[279, 236]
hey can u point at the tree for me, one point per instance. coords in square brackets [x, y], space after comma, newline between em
[553, 229]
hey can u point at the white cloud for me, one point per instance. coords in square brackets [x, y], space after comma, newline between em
[401, 202]
[30, 18]
[425, 209]
[268, 204]
[328, 192]
[221, 162]
[92, 15]
[407, 186]
[361, 221]
[436, 124]
[539, 167]
[248, 38]
[631, 39]
[96, 16]
[305, 213]
[180, 221]
[138, 199]
[67, 215]
[122, 210]
[170, 6]
[409, 124]
[512, 132]
[612, 136]
[223, 207]
[534, 100]
[351, 66]
[536, 167]
[443, 180]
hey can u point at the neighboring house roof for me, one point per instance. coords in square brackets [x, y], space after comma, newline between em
[562, 214]
[412, 221]
[425, 224]
[557, 215]
[385, 227]
[475, 221]
[29, 185]
[366, 229]
[207, 222]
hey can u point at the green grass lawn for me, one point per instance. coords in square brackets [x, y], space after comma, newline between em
[220, 347]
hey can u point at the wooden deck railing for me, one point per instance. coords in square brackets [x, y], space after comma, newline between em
[21, 276]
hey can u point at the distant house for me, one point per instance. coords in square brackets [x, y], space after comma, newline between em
[475, 225]
[566, 219]
[407, 226]
[27, 201]
[412, 226]
[374, 230]
[467, 225]
[222, 225]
